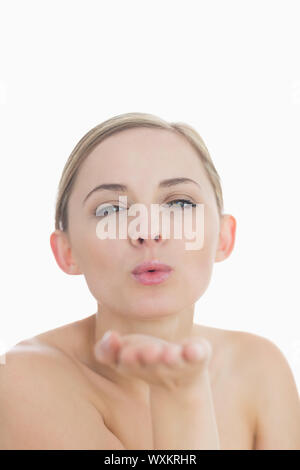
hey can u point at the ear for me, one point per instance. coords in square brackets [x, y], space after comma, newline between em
[226, 237]
[61, 249]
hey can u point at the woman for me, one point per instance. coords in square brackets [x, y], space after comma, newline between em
[157, 380]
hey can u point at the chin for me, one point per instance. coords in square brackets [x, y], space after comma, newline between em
[148, 306]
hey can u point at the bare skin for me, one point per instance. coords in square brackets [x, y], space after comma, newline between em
[181, 404]
[55, 392]
[123, 409]
[64, 356]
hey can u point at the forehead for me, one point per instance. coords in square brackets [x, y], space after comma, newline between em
[140, 158]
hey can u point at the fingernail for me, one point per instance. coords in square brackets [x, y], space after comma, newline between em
[105, 339]
[102, 345]
[198, 348]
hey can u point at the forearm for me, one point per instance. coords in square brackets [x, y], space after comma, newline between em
[184, 418]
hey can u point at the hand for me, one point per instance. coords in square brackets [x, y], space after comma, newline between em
[156, 361]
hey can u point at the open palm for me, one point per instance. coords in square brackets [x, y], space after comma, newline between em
[156, 361]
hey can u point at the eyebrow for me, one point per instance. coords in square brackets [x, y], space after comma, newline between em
[118, 187]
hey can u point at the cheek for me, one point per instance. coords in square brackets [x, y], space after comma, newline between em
[104, 256]
[102, 263]
[195, 283]
[94, 258]
[195, 272]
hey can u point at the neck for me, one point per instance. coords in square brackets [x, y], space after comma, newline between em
[173, 328]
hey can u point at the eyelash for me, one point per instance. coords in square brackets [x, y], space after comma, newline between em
[186, 201]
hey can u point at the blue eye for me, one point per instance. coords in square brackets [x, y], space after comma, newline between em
[185, 201]
[106, 212]
[105, 209]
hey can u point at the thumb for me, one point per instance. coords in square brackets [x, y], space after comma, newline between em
[106, 350]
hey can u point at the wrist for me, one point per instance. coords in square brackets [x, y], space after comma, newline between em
[186, 392]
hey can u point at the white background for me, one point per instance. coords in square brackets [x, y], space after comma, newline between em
[230, 69]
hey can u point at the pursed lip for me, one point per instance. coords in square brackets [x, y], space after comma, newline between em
[151, 265]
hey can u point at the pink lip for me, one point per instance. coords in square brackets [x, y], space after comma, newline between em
[148, 279]
[147, 265]
[141, 272]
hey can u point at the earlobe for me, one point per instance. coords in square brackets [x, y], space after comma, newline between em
[62, 252]
[73, 269]
[226, 237]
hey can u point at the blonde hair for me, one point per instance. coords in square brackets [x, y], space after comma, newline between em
[117, 124]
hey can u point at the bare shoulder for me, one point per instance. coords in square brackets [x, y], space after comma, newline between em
[261, 374]
[68, 338]
[31, 360]
[261, 358]
[273, 391]
[43, 404]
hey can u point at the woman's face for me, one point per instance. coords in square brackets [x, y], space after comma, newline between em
[141, 158]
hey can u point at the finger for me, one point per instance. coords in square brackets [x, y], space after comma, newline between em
[128, 356]
[129, 363]
[193, 352]
[115, 343]
[149, 353]
[106, 350]
[196, 349]
[172, 354]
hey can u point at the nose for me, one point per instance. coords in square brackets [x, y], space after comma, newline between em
[147, 241]
[150, 230]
